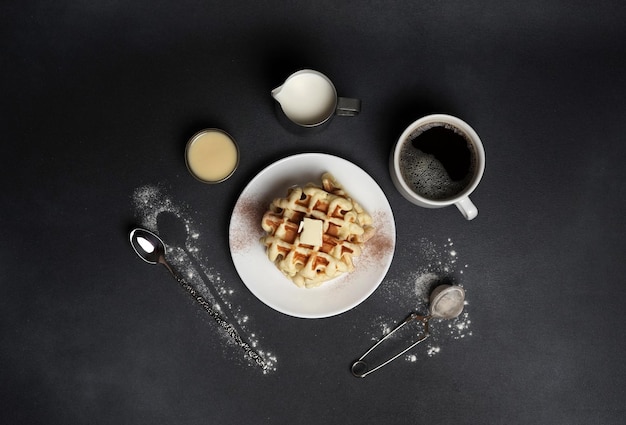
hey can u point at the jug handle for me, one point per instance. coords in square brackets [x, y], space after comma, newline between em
[347, 107]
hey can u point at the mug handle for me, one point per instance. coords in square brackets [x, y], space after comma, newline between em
[467, 208]
[347, 107]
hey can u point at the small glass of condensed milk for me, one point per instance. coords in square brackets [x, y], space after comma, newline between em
[211, 155]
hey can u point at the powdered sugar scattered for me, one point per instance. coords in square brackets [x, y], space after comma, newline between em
[436, 264]
[151, 203]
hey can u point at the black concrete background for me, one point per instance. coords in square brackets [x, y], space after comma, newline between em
[98, 99]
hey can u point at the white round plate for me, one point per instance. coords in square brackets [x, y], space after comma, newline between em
[264, 279]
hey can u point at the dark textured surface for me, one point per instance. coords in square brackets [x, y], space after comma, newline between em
[99, 98]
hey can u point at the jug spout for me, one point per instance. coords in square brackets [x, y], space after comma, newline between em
[276, 93]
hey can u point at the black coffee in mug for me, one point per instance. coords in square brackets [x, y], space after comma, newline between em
[437, 161]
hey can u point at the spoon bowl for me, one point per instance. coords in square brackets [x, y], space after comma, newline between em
[148, 246]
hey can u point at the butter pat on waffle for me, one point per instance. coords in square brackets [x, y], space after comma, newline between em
[313, 234]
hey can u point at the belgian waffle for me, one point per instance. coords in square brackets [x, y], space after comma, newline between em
[346, 227]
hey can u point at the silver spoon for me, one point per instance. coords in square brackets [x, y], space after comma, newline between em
[175, 232]
[150, 248]
[446, 302]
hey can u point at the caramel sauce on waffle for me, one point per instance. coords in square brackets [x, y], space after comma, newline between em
[346, 227]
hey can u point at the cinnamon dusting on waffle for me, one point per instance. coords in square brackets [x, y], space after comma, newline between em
[346, 227]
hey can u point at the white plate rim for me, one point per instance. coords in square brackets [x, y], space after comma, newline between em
[262, 277]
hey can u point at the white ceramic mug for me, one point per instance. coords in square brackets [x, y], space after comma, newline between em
[411, 169]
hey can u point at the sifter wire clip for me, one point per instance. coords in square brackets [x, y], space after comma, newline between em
[446, 302]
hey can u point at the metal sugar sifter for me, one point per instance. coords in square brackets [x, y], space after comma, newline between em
[446, 302]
